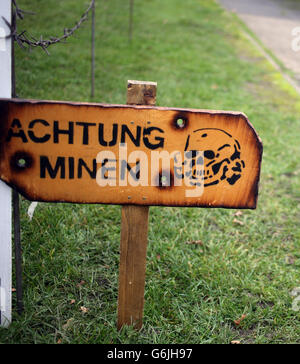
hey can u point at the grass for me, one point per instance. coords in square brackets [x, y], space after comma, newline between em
[200, 58]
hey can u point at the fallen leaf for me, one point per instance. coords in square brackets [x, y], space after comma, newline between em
[84, 309]
[238, 213]
[235, 342]
[236, 221]
[238, 321]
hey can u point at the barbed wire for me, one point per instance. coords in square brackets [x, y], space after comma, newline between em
[27, 41]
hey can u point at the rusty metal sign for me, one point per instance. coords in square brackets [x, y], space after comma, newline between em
[117, 154]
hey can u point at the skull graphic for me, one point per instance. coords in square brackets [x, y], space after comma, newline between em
[222, 156]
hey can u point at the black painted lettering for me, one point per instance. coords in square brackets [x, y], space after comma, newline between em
[69, 132]
[135, 139]
[31, 134]
[45, 166]
[19, 134]
[92, 172]
[85, 133]
[114, 136]
[160, 140]
[71, 167]
[134, 174]
[105, 170]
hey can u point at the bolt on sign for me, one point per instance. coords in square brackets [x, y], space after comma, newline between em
[120, 154]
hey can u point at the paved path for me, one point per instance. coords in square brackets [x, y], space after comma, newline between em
[273, 21]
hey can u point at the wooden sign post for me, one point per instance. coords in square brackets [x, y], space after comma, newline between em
[134, 235]
[5, 191]
[136, 155]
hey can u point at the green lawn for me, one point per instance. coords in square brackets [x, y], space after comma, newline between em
[246, 265]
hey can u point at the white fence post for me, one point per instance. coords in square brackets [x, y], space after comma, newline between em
[5, 191]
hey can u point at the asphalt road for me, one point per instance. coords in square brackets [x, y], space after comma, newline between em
[273, 22]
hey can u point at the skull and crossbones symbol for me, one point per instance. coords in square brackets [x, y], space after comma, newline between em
[222, 157]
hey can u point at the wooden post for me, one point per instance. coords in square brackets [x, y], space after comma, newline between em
[5, 192]
[134, 235]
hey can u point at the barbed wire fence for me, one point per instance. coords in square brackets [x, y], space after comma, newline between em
[26, 41]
